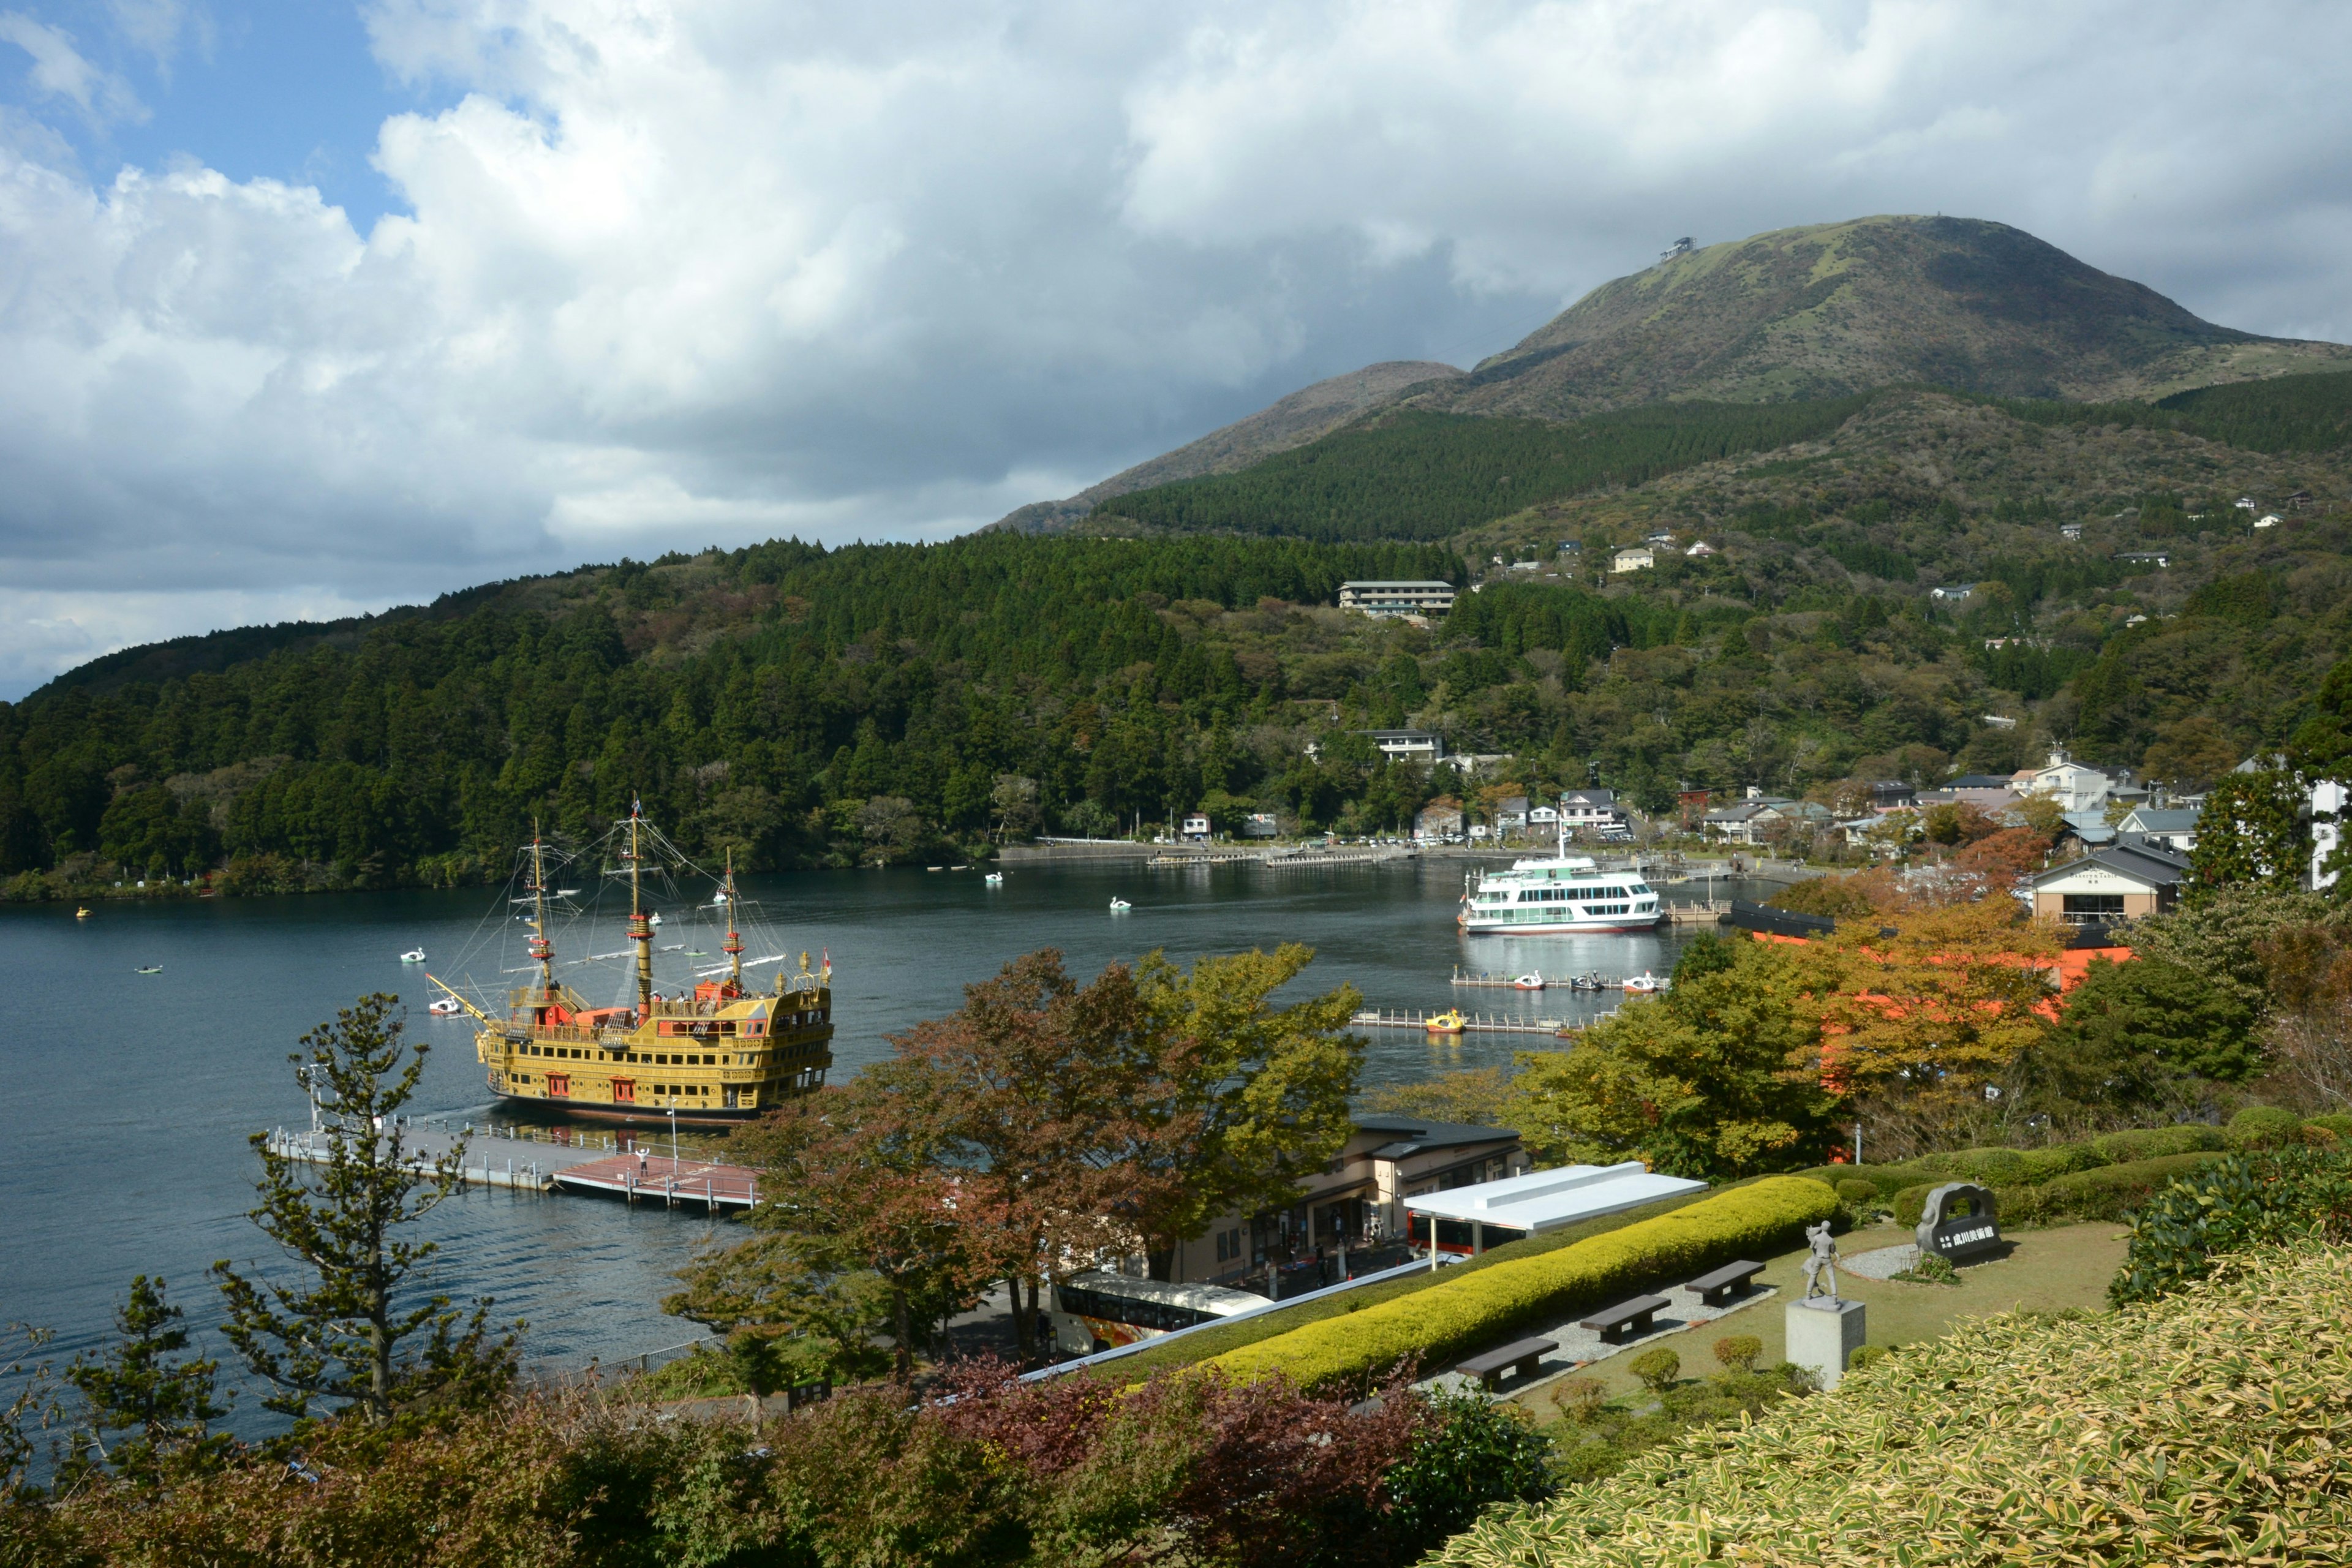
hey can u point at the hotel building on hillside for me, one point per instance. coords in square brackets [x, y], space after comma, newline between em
[1397, 598]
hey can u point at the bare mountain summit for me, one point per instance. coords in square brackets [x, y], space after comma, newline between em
[1832, 309]
[1302, 417]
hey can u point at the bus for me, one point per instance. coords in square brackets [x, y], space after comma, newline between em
[1099, 1311]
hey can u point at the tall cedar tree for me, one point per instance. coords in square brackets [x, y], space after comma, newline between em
[351, 1333]
[143, 1386]
[1920, 1019]
[2252, 832]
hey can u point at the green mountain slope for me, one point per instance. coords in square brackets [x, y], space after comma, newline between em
[1304, 415]
[1412, 474]
[1834, 309]
[1416, 475]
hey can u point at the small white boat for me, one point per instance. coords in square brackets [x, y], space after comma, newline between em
[1644, 985]
[1117, 905]
[1531, 981]
[654, 919]
[149, 969]
[994, 878]
[445, 1007]
[413, 955]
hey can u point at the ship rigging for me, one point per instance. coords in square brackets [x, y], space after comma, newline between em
[717, 1051]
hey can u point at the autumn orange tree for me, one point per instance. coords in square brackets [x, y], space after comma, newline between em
[1923, 1019]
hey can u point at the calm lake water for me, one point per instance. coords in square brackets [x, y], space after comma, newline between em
[131, 1096]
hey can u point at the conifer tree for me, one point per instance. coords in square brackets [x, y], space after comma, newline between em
[359, 1332]
[166, 1405]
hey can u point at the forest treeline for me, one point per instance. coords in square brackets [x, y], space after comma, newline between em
[799, 706]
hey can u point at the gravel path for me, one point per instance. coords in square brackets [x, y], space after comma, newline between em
[1884, 1264]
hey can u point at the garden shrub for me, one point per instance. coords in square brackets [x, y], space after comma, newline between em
[2208, 1428]
[2149, 1143]
[1456, 1315]
[1656, 1370]
[1986, 1167]
[1865, 1357]
[2263, 1127]
[1911, 1203]
[1858, 1192]
[2238, 1201]
[2060, 1160]
[2335, 1121]
[2108, 1192]
[1738, 1352]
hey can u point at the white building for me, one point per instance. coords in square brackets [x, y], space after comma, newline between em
[1399, 597]
[2072, 785]
[1407, 745]
[2329, 800]
[1196, 826]
[1635, 560]
[1700, 547]
[1594, 810]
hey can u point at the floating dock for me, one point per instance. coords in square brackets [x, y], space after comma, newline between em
[527, 1165]
[712, 1185]
[1584, 984]
[1472, 1022]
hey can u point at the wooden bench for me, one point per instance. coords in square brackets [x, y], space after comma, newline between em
[1612, 1322]
[1719, 1286]
[1521, 1354]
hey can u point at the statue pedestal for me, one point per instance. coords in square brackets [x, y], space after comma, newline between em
[1822, 1333]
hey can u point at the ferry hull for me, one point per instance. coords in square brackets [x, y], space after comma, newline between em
[1626, 926]
[629, 1115]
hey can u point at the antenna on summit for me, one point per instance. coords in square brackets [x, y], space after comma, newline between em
[1680, 247]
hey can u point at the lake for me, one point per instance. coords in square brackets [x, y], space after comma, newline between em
[132, 1095]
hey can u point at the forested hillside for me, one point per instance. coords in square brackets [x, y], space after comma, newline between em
[1412, 475]
[802, 706]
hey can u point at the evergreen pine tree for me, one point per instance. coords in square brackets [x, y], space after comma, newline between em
[358, 1333]
[142, 1388]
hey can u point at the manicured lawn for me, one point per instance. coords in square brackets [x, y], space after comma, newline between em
[2049, 1271]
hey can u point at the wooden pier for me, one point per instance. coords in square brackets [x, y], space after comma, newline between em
[1472, 1022]
[531, 1166]
[1706, 914]
[712, 1185]
[1586, 984]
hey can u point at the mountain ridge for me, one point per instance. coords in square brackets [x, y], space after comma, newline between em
[1312, 412]
[1804, 314]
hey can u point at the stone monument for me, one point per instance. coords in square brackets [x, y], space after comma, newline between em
[1824, 1330]
[1958, 1223]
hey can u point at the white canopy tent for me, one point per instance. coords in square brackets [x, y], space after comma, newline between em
[1546, 1200]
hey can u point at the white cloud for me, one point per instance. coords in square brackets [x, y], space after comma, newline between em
[60, 70]
[671, 274]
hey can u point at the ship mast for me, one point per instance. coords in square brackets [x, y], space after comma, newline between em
[733, 945]
[639, 931]
[541, 949]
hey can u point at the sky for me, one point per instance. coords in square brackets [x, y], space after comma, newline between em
[308, 307]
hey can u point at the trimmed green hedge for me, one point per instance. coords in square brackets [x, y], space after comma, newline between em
[1205, 1344]
[2110, 1192]
[1457, 1315]
[2264, 1127]
[2104, 1192]
[2149, 1143]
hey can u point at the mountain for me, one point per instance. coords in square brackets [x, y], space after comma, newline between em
[1834, 309]
[1304, 415]
[1798, 315]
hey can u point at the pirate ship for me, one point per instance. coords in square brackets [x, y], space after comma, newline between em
[714, 1049]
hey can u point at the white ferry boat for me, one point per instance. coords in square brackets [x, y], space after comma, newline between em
[1559, 895]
